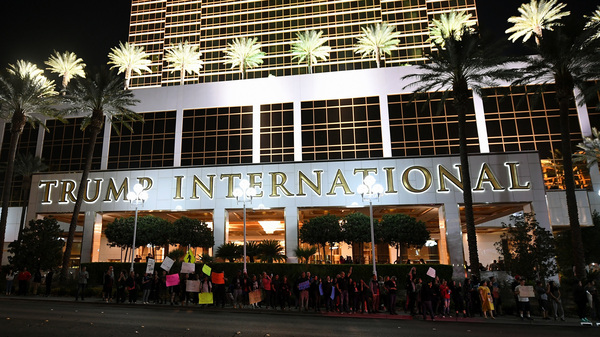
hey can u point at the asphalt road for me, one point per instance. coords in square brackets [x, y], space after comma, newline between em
[89, 319]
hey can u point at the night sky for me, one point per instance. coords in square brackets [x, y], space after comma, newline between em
[32, 29]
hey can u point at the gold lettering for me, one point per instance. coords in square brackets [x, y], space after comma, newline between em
[230, 178]
[426, 174]
[443, 174]
[112, 190]
[487, 176]
[198, 183]
[256, 184]
[514, 178]
[275, 185]
[302, 178]
[389, 179]
[96, 192]
[68, 186]
[339, 181]
[47, 184]
[178, 180]
[365, 172]
[147, 182]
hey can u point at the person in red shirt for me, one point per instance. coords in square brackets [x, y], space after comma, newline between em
[24, 277]
[445, 295]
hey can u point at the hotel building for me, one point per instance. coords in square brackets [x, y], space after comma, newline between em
[305, 141]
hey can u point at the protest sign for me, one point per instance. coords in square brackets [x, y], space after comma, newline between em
[150, 266]
[205, 298]
[218, 278]
[206, 269]
[188, 268]
[192, 286]
[172, 280]
[167, 264]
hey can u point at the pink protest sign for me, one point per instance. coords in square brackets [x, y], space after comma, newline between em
[172, 280]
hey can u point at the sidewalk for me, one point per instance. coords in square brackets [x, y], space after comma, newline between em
[570, 321]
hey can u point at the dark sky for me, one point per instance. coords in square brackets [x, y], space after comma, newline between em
[32, 29]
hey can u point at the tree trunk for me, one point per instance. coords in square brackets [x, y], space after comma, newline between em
[26, 190]
[378, 58]
[461, 104]
[95, 127]
[564, 95]
[16, 129]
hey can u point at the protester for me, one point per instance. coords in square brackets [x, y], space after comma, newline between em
[555, 298]
[522, 300]
[485, 295]
[48, 282]
[24, 277]
[82, 280]
[10, 278]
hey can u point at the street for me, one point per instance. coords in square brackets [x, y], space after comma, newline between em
[27, 317]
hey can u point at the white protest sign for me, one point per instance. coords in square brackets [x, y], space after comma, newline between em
[167, 264]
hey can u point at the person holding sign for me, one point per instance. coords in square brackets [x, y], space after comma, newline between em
[522, 291]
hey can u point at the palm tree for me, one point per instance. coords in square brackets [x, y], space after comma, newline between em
[452, 23]
[569, 61]
[184, 58]
[535, 17]
[25, 95]
[244, 53]
[464, 63]
[271, 250]
[310, 46]
[304, 254]
[590, 148]
[67, 65]
[376, 40]
[97, 96]
[594, 19]
[129, 59]
[25, 166]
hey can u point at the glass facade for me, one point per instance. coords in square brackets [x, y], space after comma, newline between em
[158, 24]
[277, 132]
[27, 145]
[65, 145]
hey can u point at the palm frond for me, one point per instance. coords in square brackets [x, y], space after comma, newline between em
[534, 18]
[185, 58]
[67, 65]
[310, 46]
[244, 53]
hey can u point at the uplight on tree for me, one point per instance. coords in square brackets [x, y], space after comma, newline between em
[184, 58]
[244, 53]
[453, 24]
[129, 59]
[535, 17]
[67, 65]
[376, 40]
[310, 47]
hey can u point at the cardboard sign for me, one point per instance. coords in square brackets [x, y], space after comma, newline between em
[188, 268]
[167, 264]
[205, 298]
[255, 296]
[172, 280]
[192, 286]
[218, 278]
[150, 266]
[526, 291]
[189, 257]
[206, 269]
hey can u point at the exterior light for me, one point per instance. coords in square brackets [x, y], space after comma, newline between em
[137, 196]
[244, 193]
[370, 191]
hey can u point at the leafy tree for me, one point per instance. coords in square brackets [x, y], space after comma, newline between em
[25, 166]
[271, 250]
[192, 232]
[119, 233]
[463, 64]
[310, 47]
[229, 251]
[184, 58]
[244, 53]
[129, 59]
[376, 40]
[356, 230]
[304, 254]
[25, 96]
[321, 230]
[67, 65]
[527, 248]
[398, 229]
[40, 246]
[96, 96]
[566, 57]
[154, 231]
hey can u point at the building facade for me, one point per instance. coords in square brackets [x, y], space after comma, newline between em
[305, 142]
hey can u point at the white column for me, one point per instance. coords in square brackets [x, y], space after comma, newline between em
[386, 137]
[291, 233]
[451, 213]
[256, 133]
[586, 131]
[484, 146]
[178, 137]
[220, 221]
[297, 131]
[87, 241]
[105, 143]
